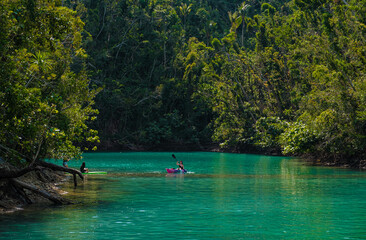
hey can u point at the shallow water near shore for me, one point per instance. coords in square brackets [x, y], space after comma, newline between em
[223, 196]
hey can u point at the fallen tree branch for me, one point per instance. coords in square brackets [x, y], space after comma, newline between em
[60, 168]
[6, 173]
[55, 167]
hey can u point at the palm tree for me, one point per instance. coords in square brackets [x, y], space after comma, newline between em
[184, 11]
[242, 9]
[235, 20]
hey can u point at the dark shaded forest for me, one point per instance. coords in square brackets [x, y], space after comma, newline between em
[277, 77]
[149, 57]
[255, 76]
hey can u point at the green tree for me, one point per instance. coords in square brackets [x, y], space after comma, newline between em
[45, 106]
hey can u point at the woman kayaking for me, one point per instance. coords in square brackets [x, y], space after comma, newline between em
[180, 165]
[180, 168]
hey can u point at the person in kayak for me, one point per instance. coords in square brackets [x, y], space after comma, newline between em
[180, 165]
[83, 169]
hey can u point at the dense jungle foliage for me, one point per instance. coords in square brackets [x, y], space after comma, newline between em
[44, 103]
[273, 76]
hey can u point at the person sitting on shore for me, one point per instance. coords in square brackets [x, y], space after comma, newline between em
[65, 162]
[83, 169]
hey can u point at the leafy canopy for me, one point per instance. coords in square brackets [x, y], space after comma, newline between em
[44, 104]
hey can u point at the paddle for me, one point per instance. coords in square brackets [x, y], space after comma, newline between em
[174, 156]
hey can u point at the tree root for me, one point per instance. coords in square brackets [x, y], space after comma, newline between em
[20, 192]
[4, 205]
[16, 188]
[54, 199]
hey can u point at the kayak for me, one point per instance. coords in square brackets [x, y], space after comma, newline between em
[173, 170]
[95, 173]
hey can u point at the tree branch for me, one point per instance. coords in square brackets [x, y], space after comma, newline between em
[55, 167]
[59, 168]
[37, 153]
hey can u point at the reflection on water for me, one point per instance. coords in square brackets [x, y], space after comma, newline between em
[225, 196]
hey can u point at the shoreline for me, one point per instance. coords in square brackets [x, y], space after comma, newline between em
[311, 160]
[10, 203]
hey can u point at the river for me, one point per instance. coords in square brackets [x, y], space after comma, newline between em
[223, 196]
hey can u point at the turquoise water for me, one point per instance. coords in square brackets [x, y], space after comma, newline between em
[224, 196]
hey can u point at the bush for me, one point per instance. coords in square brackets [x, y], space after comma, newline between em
[298, 138]
[268, 131]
